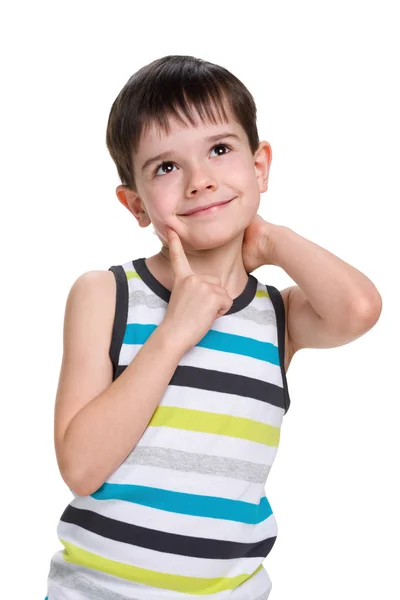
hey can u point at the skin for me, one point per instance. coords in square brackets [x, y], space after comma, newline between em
[199, 173]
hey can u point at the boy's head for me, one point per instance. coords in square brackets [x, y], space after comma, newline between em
[174, 106]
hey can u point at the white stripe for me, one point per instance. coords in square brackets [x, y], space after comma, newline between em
[224, 404]
[237, 364]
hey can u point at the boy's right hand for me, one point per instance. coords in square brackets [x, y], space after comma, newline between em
[196, 300]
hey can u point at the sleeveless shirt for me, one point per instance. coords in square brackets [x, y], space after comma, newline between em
[185, 514]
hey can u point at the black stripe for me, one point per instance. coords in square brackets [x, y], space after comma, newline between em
[162, 541]
[227, 383]
[120, 317]
[277, 301]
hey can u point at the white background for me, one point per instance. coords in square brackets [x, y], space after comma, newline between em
[325, 77]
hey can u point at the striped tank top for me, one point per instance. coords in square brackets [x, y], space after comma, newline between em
[186, 515]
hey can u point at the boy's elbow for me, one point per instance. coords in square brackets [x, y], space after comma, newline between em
[79, 489]
[79, 484]
[83, 486]
[369, 312]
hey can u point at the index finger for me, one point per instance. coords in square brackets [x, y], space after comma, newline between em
[179, 262]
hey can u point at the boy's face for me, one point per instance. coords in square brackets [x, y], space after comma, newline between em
[197, 171]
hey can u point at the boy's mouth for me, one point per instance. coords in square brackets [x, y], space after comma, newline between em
[210, 208]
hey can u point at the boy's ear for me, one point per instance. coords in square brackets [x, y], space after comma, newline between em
[262, 162]
[134, 204]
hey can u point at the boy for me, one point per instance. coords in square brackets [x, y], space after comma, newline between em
[173, 385]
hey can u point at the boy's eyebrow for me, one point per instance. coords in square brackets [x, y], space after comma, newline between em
[211, 138]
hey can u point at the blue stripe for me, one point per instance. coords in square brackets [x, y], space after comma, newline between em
[187, 504]
[136, 333]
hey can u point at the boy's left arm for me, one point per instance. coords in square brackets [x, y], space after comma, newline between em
[333, 303]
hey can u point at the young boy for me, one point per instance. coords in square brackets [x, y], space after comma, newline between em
[173, 385]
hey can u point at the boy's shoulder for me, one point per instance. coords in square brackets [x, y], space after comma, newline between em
[96, 285]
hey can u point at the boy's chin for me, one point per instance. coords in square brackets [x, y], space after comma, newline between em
[212, 238]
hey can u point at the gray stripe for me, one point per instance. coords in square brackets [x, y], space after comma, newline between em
[137, 297]
[264, 596]
[198, 463]
[65, 576]
[261, 317]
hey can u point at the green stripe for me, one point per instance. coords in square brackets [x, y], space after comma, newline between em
[220, 424]
[178, 583]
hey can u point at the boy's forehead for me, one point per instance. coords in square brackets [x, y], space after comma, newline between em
[153, 133]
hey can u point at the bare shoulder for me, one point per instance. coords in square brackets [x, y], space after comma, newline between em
[86, 369]
[95, 279]
[93, 286]
[289, 350]
[89, 311]
[89, 314]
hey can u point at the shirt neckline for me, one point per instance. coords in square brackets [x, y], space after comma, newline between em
[244, 299]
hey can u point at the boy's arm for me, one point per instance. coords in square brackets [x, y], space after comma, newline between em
[98, 422]
[333, 303]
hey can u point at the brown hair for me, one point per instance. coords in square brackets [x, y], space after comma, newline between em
[158, 90]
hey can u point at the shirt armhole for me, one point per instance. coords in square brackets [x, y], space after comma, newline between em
[277, 301]
[120, 317]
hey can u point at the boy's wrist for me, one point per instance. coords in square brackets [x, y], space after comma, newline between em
[169, 341]
[271, 235]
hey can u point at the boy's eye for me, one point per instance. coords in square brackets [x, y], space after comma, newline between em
[168, 162]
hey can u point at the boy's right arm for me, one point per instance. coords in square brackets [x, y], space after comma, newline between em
[98, 422]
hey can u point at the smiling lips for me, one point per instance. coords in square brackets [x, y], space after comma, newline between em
[209, 209]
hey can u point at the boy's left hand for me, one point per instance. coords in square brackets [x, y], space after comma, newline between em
[257, 244]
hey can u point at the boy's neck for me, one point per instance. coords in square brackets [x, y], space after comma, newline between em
[160, 268]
